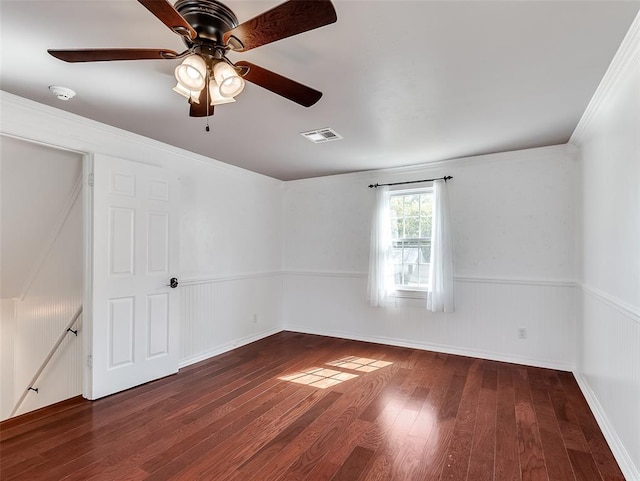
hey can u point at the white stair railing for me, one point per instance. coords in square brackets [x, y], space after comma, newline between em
[30, 386]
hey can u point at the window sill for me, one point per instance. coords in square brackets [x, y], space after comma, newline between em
[411, 293]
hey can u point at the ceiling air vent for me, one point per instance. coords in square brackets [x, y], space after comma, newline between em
[321, 135]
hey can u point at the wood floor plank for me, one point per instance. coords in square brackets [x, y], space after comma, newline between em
[254, 414]
[482, 458]
[584, 466]
[352, 468]
[326, 468]
[532, 465]
[507, 465]
[553, 447]
[598, 446]
[444, 399]
[457, 458]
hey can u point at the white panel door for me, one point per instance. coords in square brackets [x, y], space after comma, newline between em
[135, 328]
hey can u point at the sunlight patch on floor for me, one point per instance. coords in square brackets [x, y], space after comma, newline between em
[323, 377]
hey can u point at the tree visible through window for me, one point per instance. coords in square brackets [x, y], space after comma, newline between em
[411, 218]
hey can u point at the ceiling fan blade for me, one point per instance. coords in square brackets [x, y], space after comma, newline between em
[107, 54]
[287, 19]
[287, 88]
[200, 110]
[167, 14]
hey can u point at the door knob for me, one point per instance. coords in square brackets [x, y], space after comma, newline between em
[173, 283]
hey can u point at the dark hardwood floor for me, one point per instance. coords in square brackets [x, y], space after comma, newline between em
[300, 407]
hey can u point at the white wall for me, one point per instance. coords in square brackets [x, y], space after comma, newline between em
[231, 227]
[7, 349]
[230, 258]
[513, 218]
[29, 222]
[608, 361]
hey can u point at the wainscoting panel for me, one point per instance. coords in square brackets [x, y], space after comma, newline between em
[608, 372]
[40, 321]
[487, 322]
[219, 314]
[53, 297]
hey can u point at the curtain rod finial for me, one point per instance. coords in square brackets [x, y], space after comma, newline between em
[371, 186]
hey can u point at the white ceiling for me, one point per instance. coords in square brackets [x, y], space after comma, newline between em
[404, 82]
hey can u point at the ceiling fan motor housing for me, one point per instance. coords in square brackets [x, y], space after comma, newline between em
[211, 19]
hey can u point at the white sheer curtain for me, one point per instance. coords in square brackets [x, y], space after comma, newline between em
[380, 284]
[440, 295]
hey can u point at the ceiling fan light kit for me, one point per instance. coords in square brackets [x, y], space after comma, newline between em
[191, 73]
[209, 29]
[216, 97]
[229, 82]
[221, 79]
[190, 95]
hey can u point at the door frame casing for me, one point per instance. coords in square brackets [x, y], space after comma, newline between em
[87, 296]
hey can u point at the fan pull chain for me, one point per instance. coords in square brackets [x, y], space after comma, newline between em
[207, 87]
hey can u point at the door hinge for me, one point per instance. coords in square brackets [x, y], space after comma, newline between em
[91, 180]
[89, 360]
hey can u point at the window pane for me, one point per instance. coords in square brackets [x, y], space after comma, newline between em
[424, 274]
[396, 228]
[397, 274]
[425, 253]
[396, 206]
[425, 226]
[397, 255]
[412, 205]
[426, 204]
[412, 227]
[411, 278]
[410, 255]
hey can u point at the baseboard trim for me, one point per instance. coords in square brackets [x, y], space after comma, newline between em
[209, 353]
[24, 418]
[630, 471]
[445, 349]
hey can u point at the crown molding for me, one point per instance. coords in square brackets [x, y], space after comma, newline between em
[436, 167]
[628, 54]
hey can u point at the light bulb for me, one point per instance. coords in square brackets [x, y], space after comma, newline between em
[229, 83]
[191, 73]
[215, 96]
[193, 95]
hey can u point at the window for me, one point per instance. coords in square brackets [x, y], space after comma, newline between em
[411, 220]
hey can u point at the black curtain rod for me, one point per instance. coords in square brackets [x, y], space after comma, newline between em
[445, 178]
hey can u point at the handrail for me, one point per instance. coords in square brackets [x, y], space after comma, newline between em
[46, 361]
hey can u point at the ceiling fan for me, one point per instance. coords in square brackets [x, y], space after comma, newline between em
[209, 30]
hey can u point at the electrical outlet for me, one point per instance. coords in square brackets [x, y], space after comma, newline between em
[522, 333]
[255, 318]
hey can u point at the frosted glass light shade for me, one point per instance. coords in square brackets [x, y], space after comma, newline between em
[229, 82]
[215, 96]
[191, 73]
[193, 95]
